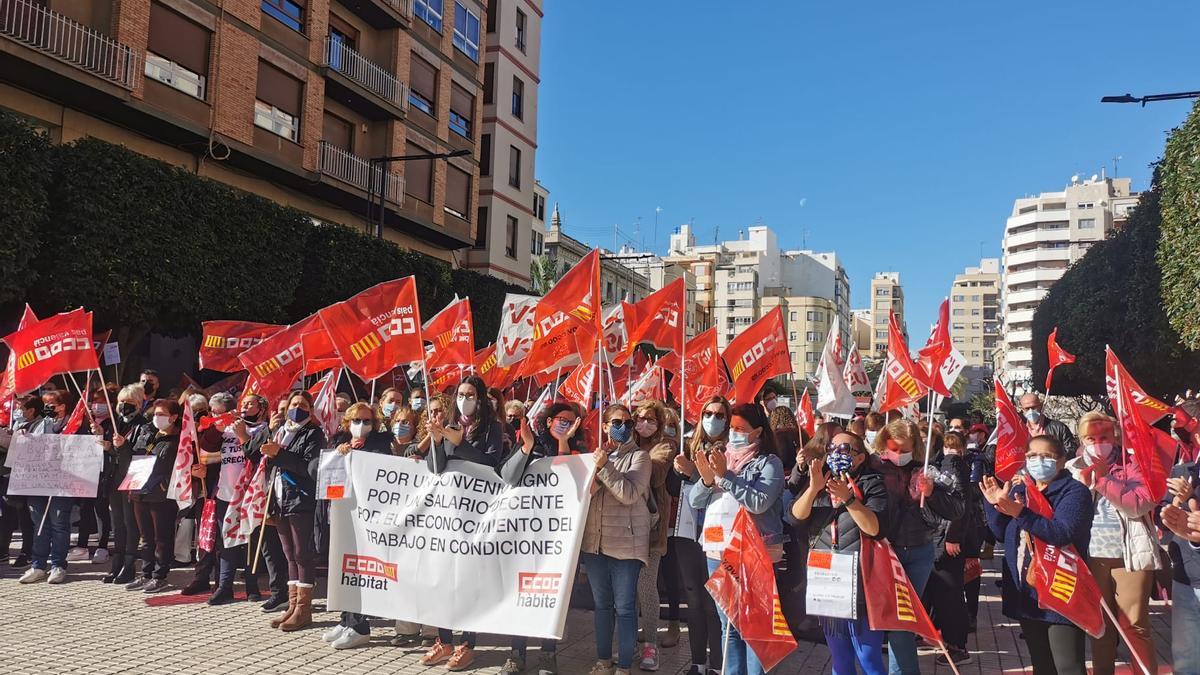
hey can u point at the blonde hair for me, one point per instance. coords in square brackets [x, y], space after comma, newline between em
[136, 393]
[659, 415]
[1094, 417]
[901, 430]
[353, 411]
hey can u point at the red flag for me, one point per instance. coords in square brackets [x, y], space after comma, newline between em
[559, 349]
[705, 373]
[28, 318]
[1012, 436]
[206, 532]
[806, 419]
[493, 374]
[221, 422]
[1063, 582]
[1153, 450]
[452, 335]
[75, 421]
[1151, 409]
[574, 302]
[325, 403]
[901, 384]
[377, 329]
[892, 602]
[660, 319]
[319, 352]
[1056, 355]
[580, 385]
[740, 587]
[99, 340]
[756, 355]
[59, 344]
[940, 362]
[277, 361]
[222, 341]
[180, 487]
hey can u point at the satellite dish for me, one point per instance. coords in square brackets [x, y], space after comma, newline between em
[1074, 179]
[1095, 178]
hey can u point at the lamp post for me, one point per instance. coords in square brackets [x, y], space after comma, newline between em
[1129, 98]
[378, 165]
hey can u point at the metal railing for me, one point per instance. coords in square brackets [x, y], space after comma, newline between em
[354, 170]
[343, 59]
[402, 6]
[69, 41]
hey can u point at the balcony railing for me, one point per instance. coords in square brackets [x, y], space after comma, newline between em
[69, 41]
[402, 6]
[369, 75]
[354, 170]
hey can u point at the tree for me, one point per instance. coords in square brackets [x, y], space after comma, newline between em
[1179, 247]
[23, 160]
[984, 403]
[543, 272]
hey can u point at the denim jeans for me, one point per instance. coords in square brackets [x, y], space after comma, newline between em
[740, 659]
[51, 545]
[917, 562]
[857, 646]
[614, 592]
[1185, 627]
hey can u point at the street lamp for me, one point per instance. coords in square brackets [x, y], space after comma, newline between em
[1129, 98]
[379, 165]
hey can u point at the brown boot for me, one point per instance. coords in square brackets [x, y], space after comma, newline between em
[292, 595]
[302, 617]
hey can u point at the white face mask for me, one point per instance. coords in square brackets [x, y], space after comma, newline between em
[467, 406]
[772, 404]
[162, 422]
[897, 458]
[1097, 451]
[360, 428]
[646, 429]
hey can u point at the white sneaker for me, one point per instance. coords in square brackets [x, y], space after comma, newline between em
[351, 639]
[78, 554]
[32, 576]
[100, 556]
[57, 575]
[334, 633]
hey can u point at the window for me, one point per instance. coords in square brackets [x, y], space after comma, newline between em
[481, 227]
[514, 166]
[539, 207]
[493, 11]
[960, 312]
[881, 335]
[883, 291]
[279, 102]
[466, 31]
[792, 316]
[485, 155]
[957, 298]
[810, 357]
[458, 192]
[418, 175]
[462, 107]
[958, 326]
[342, 37]
[510, 247]
[489, 83]
[812, 336]
[521, 20]
[536, 243]
[792, 336]
[975, 312]
[178, 51]
[429, 11]
[287, 12]
[1087, 223]
[811, 316]
[337, 132]
[608, 291]
[518, 101]
[422, 90]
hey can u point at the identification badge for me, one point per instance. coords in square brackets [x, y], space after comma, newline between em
[832, 585]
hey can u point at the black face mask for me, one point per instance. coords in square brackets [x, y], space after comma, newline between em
[126, 410]
[149, 388]
[49, 413]
[250, 418]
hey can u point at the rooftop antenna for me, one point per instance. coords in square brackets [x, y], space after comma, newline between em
[654, 242]
[1116, 162]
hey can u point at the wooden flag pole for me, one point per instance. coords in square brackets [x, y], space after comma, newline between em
[83, 397]
[262, 530]
[942, 647]
[928, 439]
[683, 397]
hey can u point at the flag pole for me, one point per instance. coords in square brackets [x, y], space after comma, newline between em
[83, 397]
[942, 647]
[112, 412]
[928, 440]
[262, 530]
[599, 385]
[373, 391]
[1128, 643]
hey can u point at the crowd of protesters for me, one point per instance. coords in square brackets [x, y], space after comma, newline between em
[926, 488]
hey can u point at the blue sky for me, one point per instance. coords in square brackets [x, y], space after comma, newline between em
[897, 134]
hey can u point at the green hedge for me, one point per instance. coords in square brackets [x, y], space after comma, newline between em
[1179, 248]
[151, 247]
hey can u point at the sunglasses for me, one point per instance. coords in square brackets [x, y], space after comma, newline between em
[843, 447]
[718, 415]
[648, 418]
[563, 420]
[620, 422]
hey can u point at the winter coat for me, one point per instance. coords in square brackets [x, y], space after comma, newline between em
[294, 463]
[910, 524]
[487, 448]
[758, 487]
[1125, 488]
[149, 441]
[618, 519]
[661, 458]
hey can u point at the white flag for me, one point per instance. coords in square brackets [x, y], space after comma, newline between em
[180, 487]
[616, 332]
[646, 387]
[854, 373]
[515, 338]
[833, 396]
[325, 405]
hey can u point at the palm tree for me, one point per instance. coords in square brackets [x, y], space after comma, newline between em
[543, 273]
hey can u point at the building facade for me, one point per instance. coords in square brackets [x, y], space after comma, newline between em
[617, 282]
[975, 312]
[508, 197]
[1043, 236]
[287, 99]
[806, 321]
[887, 296]
[659, 273]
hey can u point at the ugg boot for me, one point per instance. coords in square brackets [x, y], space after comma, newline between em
[292, 598]
[302, 617]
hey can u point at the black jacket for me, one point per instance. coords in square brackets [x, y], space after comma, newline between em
[874, 497]
[122, 456]
[1063, 434]
[294, 465]
[956, 474]
[908, 523]
[486, 448]
[149, 441]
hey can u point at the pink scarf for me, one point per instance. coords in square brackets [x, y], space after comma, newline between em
[739, 457]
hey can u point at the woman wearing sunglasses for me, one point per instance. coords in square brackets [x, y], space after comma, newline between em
[650, 422]
[616, 539]
[746, 474]
[845, 501]
[704, 626]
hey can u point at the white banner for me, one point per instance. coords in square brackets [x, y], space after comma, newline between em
[460, 550]
[515, 338]
[54, 465]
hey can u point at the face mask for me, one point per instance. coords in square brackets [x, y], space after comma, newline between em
[467, 406]
[388, 409]
[951, 452]
[402, 429]
[162, 422]
[49, 413]
[839, 462]
[670, 432]
[417, 404]
[1098, 451]
[619, 434]
[897, 458]
[561, 427]
[297, 415]
[1041, 468]
[126, 409]
[149, 388]
[870, 437]
[646, 429]
[250, 418]
[739, 439]
[360, 428]
[18, 418]
[100, 410]
[713, 426]
[1033, 415]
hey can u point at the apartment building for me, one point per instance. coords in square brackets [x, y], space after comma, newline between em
[508, 197]
[975, 312]
[1043, 236]
[288, 99]
[887, 295]
[861, 331]
[806, 322]
[659, 273]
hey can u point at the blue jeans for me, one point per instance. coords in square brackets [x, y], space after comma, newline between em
[858, 646]
[739, 658]
[614, 592]
[55, 538]
[1185, 627]
[902, 645]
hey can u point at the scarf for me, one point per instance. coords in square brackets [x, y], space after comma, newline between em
[739, 457]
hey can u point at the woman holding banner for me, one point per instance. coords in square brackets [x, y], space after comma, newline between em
[650, 421]
[1056, 646]
[50, 540]
[154, 511]
[704, 626]
[747, 474]
[845, 501]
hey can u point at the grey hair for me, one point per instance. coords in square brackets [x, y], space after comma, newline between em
[198, 402]
[133, 392]
[222, 398]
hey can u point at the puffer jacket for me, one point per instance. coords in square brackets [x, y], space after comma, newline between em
[1127, 491]
[909, 524]
[618, 519]
[1063, 433]
[661, 458]
[295, 468]
[758, 487]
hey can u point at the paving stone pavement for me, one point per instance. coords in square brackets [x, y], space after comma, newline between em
[84, 626]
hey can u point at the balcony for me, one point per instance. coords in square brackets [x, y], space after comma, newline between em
[1036, 236]
[1023, 297]
[353, 170]
[1048, 216]
[68, 41]
[362, 84]
[1037, 255]
[1034, 276]
[1020, 316]
[382, 13]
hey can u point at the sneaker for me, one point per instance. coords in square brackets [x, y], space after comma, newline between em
[254, 597]
[547, 663]
[100, 556]
[136, 584]
[649, 660]
[334, 633]
[438, 653]
[222, 596]
[602, 668]
[155, 586]
[32, 576]
[406, 640]
[462, 659]
[513, 665]
[960, 656]
[78, 554]
[350, 639]
[21, 560]
[57, 575]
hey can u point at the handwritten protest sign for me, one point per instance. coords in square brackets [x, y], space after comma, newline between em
[54, 465]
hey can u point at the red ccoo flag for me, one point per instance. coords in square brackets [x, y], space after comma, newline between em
[1153, 450]
[1151, 409]
[756, 355]
[319, 353]
[1056, 355]
[377, 329]
[452, 335]
[222, 341]
[573, 302]
[277, 361]
[659, 319]
[580, 385]
[59, 344]
[1012, 436]
[488, 367]
[806, 418]
[901, 384]
[892, 602]
[28, 318]
[705, 373]
[740, 586]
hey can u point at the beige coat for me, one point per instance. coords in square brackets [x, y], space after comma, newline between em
[661, 458]
[618, 520]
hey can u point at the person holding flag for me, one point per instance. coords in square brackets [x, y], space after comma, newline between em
[1056, 645]
[252, 428]
[846, 500]
[154, 511]
[746, 474]
[49, 543]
